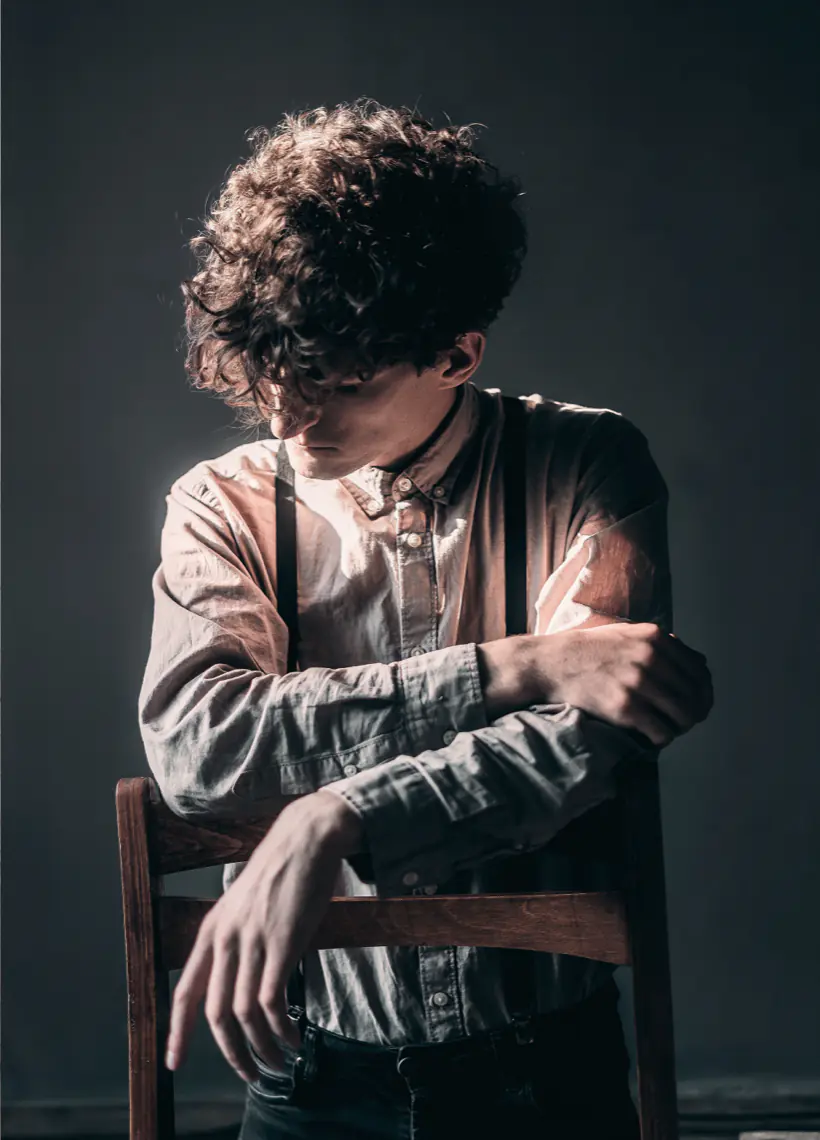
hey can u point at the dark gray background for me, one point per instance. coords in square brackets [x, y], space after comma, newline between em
[670, 157]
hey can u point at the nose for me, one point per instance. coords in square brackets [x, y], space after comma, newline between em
[296, 418]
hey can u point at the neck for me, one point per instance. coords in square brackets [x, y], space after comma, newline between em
[411, 456]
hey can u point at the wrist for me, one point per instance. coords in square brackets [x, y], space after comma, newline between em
[343, 828]
[505, 671]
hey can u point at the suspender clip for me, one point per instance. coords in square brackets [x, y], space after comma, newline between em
[524, 1027]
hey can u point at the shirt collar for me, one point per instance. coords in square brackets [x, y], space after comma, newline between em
[432, 474]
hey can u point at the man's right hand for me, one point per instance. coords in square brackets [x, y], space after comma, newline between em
[632, 675]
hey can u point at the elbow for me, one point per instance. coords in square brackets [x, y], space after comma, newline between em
[190, 782]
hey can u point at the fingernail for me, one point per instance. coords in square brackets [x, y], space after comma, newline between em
[170, 1060]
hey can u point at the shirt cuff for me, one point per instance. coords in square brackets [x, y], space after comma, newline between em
[442, 696]
[394, 800]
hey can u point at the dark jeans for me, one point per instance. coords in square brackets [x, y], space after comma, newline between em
[570, 1083]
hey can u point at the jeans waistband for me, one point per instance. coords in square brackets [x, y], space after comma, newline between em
[555, 1022]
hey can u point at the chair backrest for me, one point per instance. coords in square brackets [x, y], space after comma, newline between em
[156, 842]
[623, 926]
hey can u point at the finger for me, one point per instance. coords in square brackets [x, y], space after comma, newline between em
[675, 666]
[693, 697]
[679, 709]
[189, 992]
[689, 661]
[273, 1002]
[247, 1010]
[651, 723]
[219, 1011]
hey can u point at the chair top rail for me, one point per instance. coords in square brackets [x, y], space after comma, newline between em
[179, 843]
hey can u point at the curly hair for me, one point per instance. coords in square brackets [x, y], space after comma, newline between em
[350, 240]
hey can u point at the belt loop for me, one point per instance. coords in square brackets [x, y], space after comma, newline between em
[306, 1060]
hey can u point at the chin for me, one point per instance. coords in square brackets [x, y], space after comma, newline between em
[320, 464]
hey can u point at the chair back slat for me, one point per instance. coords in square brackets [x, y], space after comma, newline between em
[586, 924]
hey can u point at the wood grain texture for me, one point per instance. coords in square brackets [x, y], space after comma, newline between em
[179, 844]
[588, 925]
[627, 926]
[150, 1084]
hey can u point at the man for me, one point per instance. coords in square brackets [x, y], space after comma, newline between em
[348, 275]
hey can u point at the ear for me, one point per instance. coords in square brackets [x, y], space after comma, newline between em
[461, 361]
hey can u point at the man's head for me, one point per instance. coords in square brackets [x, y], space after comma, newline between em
[347, 275]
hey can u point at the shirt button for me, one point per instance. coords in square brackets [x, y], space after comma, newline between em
[417, 652]
[404, 484]
[410, 879]
[430, 889]
[438, 492]
[414, 540]
[350, 769]
[440, 999]
[372, 505]
[449, 736]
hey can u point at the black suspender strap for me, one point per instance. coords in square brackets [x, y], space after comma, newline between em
[286, 566]
[287, 605]
[514, 458]
[518, 872]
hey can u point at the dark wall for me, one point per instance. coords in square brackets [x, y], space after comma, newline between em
[670, 157]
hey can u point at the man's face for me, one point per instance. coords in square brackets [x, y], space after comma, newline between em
[378, 423]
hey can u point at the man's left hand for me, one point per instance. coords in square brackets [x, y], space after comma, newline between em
[254, 936]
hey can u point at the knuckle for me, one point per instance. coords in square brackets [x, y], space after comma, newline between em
[623, 705]
[244, 1011]
[225, 942]
[270, 1005]
[216, 1015]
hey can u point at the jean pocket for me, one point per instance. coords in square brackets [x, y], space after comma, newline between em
[276, 1086]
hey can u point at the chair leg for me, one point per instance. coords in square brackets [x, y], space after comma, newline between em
[652, 988]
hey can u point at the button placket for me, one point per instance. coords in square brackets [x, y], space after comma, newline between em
[416, 579]
[439, 982]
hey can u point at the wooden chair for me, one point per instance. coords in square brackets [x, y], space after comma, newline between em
[626, 926]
